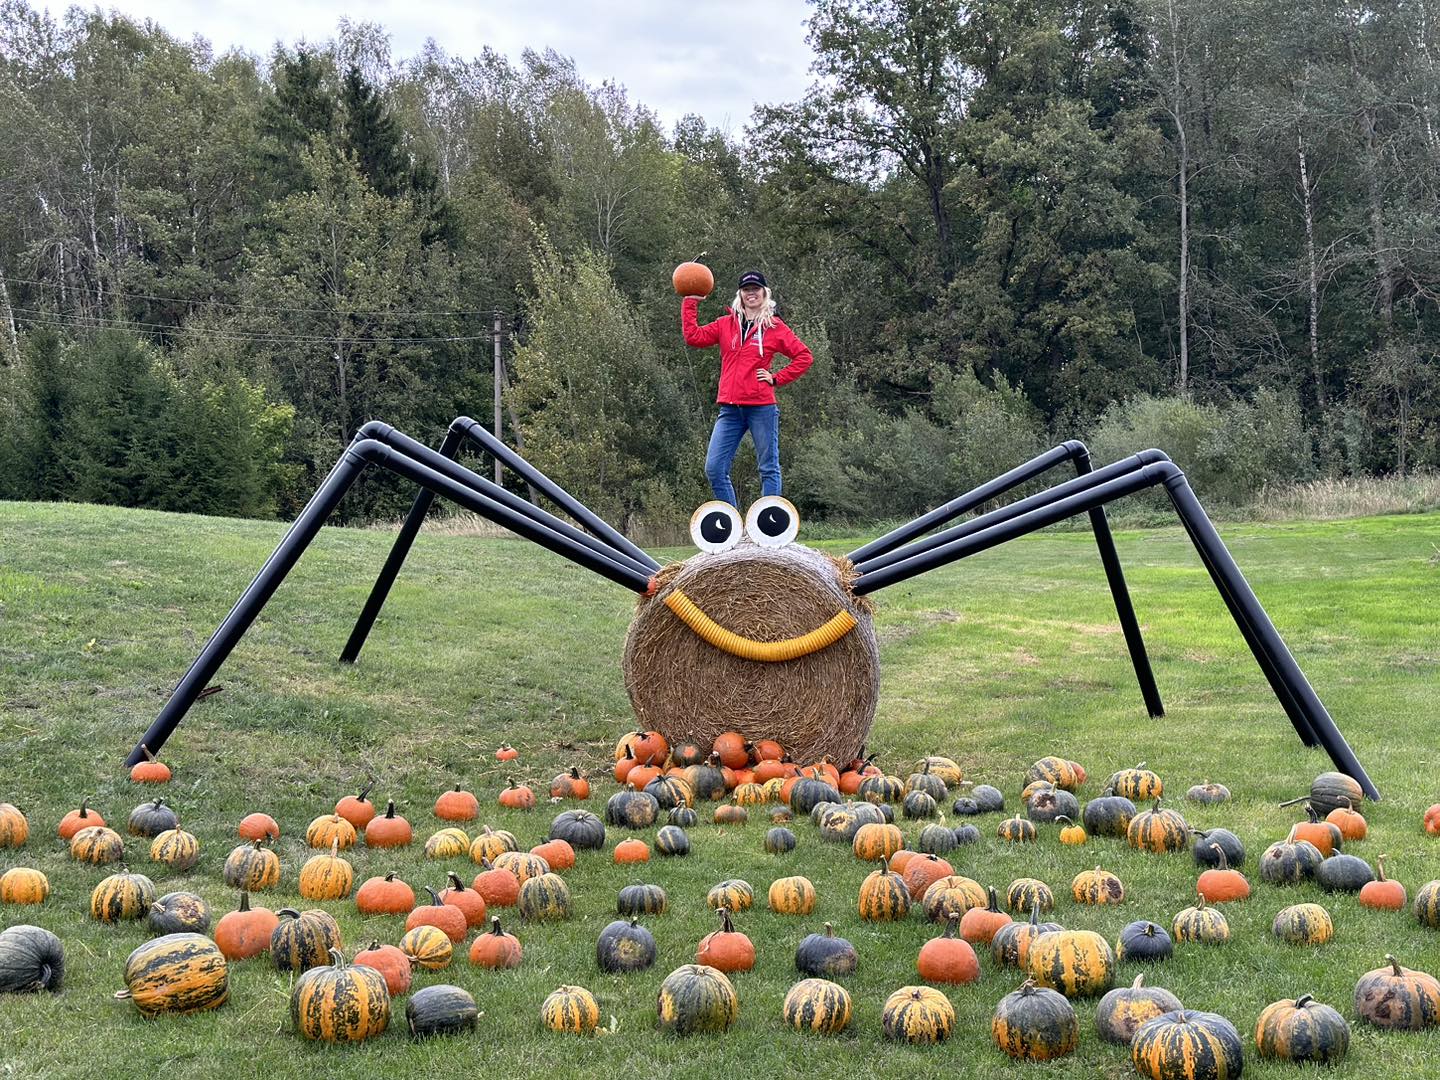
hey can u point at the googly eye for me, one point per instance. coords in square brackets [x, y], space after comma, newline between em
[716, 527]
[772, 521]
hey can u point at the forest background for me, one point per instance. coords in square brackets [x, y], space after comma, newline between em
[1212, 227]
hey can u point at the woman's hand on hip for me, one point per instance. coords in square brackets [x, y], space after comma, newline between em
[767, 377]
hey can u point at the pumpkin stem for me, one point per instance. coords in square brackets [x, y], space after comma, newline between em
[146, 751]
[434, 896]
[1303, 1000]
[390, 809]
[1394, 964]
[1139, 981]
[574, 772]
[337, 958]
[455, 882]
[994, 904]
[952, 923]
[1027, 987]
[364, 791]
[726, 926]
[244, 900]
[829, 929]
[334, 847]
[1380, 866]
[1310, 812]
[1062, 817]
[288, 912]
[1224, 862]
[1035, 913]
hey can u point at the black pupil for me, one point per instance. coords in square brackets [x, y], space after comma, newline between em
[715, 527]
[773, 521]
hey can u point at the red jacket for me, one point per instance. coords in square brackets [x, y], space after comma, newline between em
[739, 360]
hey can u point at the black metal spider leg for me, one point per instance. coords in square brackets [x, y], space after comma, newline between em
[1286, 679]
[1100, 526]
[461, 429]
[360, 454]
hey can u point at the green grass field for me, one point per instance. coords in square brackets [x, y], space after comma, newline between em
[996, 661]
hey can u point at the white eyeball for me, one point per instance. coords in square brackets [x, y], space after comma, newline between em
[716, 527]
[772, 521]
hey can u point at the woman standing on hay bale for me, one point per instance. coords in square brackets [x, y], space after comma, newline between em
[750, 336]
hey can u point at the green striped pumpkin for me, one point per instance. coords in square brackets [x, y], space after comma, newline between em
[303, 941]
[1303, 924]
[338, 1002]
[1034, 1023]
[952, 895]
[97, 844]
[122, 896]
[642, 900]
[252, 867]
[545, 898]
[1075, 962]
[1025, 893]
[176, 848]
[1159, 830]
[448, 843]
[695, 998]
[1427, 905]
[883, 896]
[1189, 1045]
[522, 864]
[917, 1014]
[571, 1009]
[1122, 1011]
[817, 1005]
[734, 894]
[177, 973]
[792, 896]
[1205, 925]
[672, 840]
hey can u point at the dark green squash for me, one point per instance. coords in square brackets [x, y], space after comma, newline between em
[966, 834]
[1289, 862]
[1344, 873]
[991, 800]
[696, 998]
[684, 817]
[180, 913]
[642, 900]
[631, 810]
[919, 804]
[440, 1010]
[1143, 941]
[1045, 806]
[672, 840]
[810, 791]
[581, 829]
[624, 947]
[668, 792]
[150, 819]
[779, 840]
[31, 959]
[936, 840]
[826, 955]
[1207, 840]
[1109, 815]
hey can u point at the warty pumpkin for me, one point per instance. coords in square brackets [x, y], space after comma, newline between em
[1034, 1023]
[177, 973]
[336, 1002]
[917, 1014]
[499, 888]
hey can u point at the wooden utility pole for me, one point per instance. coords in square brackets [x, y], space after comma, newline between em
[499, 379]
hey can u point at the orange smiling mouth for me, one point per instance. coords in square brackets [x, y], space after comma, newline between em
[793, 648]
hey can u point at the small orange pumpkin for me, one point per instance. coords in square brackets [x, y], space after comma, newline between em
[150, 771]
[457, 805]
[388, 829]
[506, 753]
[1222, 885]
[76, 820]
[517, 796]
[632, 851]
[692, 279]
[1382, 894]
[257, 827]
[1349, 821]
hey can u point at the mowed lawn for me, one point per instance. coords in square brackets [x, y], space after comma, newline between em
[996, 661]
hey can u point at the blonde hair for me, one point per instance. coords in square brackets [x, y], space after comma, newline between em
[767, 309]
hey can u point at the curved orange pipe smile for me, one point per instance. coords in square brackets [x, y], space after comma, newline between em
[793, 648]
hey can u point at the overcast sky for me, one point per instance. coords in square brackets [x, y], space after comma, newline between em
[715, 59]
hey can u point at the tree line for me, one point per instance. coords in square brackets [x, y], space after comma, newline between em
[1211, 227]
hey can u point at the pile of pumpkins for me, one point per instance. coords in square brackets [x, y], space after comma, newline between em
[185, 969]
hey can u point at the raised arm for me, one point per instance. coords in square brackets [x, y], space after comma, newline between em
[699, 336]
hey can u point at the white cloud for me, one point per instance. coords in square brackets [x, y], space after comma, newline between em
[715, 59]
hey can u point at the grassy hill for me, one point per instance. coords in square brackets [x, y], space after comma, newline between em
[995, 661]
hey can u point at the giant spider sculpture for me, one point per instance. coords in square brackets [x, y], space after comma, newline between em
[675, 599]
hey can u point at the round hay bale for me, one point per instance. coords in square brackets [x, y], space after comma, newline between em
[819, 705]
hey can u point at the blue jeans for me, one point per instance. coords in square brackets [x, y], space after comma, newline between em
[763, 423]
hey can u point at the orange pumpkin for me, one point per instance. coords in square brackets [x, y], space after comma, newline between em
[388, 829]
[498, 886]
[726, 949]
[506, 753]
[1382, 894]
[1349, 821]
[441, 915]
[457, 805]
[150, 771]
[570, 785]
[693, 279]
[469, 901]
[1222, 885]
[1432, 819]
[391, 962]
[258, 827]
[979, 925]
[558, 853]
[497, 949]
[632, 851]
[357, 809]
[517, 796]
[948, 958]
[386, 895]
[76, 820]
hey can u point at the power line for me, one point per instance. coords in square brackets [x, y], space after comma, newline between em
[243, 308]
[68, 321]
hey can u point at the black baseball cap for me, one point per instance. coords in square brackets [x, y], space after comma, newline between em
[753, 277]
